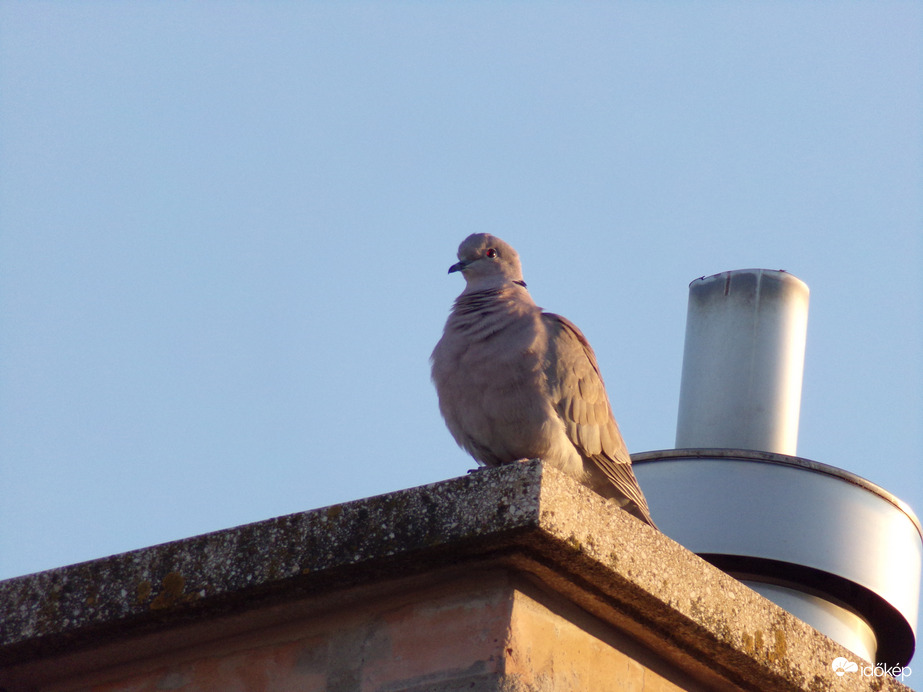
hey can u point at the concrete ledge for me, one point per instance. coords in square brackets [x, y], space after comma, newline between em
[526, 519]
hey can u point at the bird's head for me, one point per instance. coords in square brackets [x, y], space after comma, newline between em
[487, 262]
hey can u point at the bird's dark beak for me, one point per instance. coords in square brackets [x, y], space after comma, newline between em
[458, 266]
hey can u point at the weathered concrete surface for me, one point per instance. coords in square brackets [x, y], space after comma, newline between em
[551, 587]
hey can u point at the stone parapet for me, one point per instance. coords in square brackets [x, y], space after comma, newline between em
[514, 578]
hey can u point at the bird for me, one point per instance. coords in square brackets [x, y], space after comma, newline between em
[516, 383]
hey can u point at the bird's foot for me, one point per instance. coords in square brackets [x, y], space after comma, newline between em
[518, 461]
[506, 463]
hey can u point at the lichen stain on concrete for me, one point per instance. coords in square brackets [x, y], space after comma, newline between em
[173, 585]
[273, 569]
[780, 646]
[757, 644]
[334, 511]
[50, 605]
[144, 591]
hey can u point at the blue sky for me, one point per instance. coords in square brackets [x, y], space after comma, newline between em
[225, 230]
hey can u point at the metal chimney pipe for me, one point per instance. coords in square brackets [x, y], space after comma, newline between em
[743, 362]
[828, 546]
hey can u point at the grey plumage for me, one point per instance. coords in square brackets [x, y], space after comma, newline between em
[517, 383]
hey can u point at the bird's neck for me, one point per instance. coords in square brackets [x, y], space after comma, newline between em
[510, 298]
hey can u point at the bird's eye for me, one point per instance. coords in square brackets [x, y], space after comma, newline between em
[491, 252]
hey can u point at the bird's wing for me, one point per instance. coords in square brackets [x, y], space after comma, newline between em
[579, 396]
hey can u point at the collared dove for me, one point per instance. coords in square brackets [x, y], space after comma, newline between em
[517, 383]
